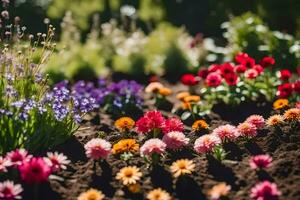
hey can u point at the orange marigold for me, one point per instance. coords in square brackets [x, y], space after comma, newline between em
[182, 95]
[219, 190]
[191, 99]
[165, 91]
[280, 103]
[199, 125]
[292, 114]
[124, 124]
[125, 145]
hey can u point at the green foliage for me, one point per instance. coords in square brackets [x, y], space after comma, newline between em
[247, 33]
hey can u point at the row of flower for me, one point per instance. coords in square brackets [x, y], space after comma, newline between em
[153, 126]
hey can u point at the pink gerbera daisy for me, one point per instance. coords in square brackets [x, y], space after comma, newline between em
[9, 190]
[56, 161]
[206, 143]
[97, 149]
[265, 191]
[154, 145]
[175, 140]
[260, 161]
[18, 156]
[34, 171]
[247, 130]
[257, 120]
[226, 132]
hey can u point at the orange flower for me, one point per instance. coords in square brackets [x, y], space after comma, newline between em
[181, 167]
[218, 191]
[292, 114]
[124, 124]
[134, 188]
[192, 99]
[199, 125]
[125, 145]
[158, 194]
[91, 194]
[182, 95]
[274, 120]
[165, 91]
[280, 103]
[129, 175]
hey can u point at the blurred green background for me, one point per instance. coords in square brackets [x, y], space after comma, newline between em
[162, 36]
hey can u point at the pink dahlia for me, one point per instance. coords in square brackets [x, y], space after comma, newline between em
[265, 191]
[150, 121]
[226, 132]
[240, 68]
[247, 130]
[154, 145]
[213, 79]
[35, 171]
[97, 149]
[172, 124]
[260, 161]
[18, 156]
[9, 190]
[206, 143]
[251, 74]
[4, 164]
[175, 140]
[56, 161]
[257, 120]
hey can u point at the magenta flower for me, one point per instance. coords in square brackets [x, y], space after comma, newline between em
[206, 143]
[175, 140]
[151, 146]
[56, 161]
[97, 149]
[9, 190]
[247, 130]
[150, 121]
[265, 191]
[4, 164]
[172, 124]
[35, 171]
[226, 132]
[18, 156]
[214, 79]
[257, 120]
[260, 161]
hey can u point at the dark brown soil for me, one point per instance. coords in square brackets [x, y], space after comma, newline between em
[83, 174]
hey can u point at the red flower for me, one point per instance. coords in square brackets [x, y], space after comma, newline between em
[285, 74]
[172, 124]
[189, 79]
[258, 68]
[240, 68]
[35, 171]
[151, 120]
[298, 70]
[267, 61]
[226, 69]
[231, 79]
[213, 79]
[203, 73]
[284, 90]
[240, 57]
[153, 78]
[213, 68]
[296, 86]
